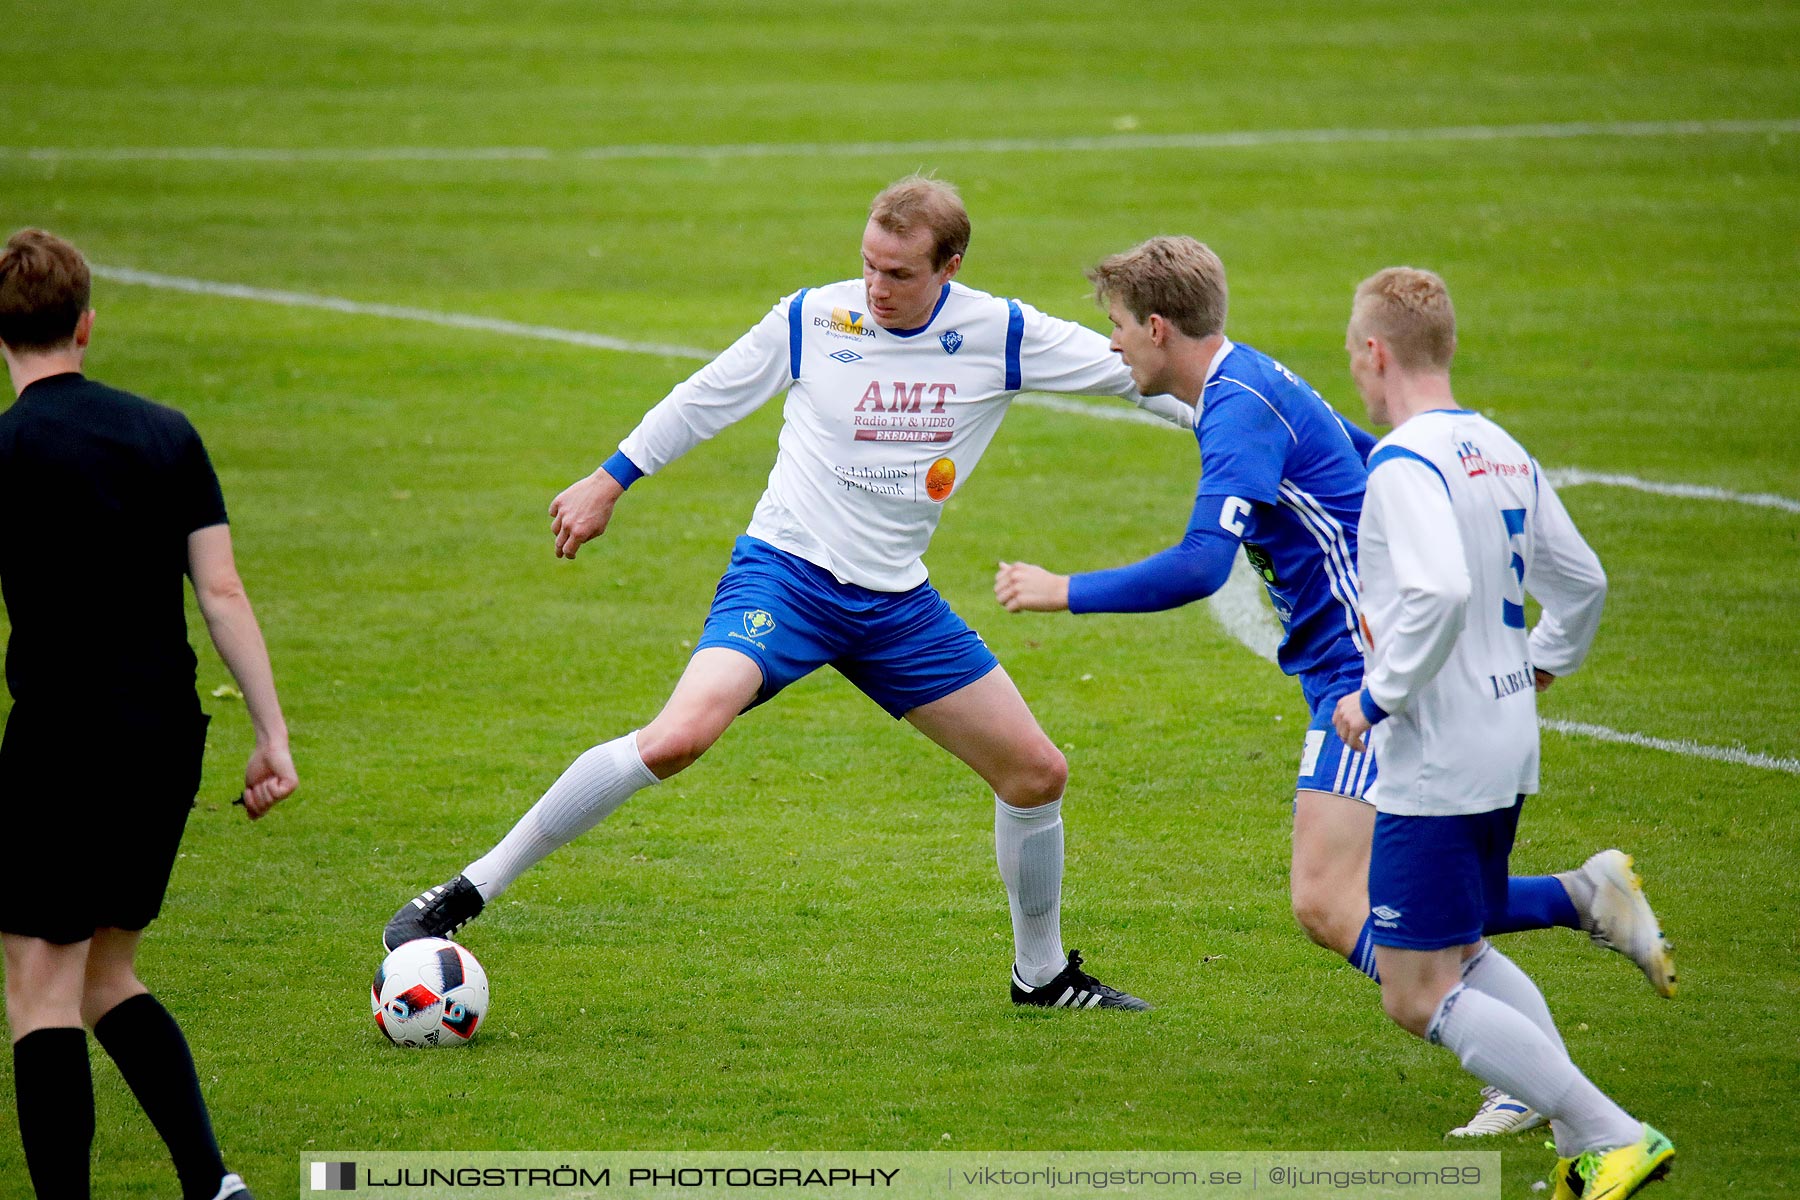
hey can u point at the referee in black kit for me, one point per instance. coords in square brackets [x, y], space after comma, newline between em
[106, 501]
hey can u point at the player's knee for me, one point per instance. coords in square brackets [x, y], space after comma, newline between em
[671, 744]
[1318, 916]
[37, 1003]
[1408, 1008]
[1040, 778]
[98, 999]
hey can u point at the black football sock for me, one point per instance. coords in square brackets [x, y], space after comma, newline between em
[147, 1045]
[55, 1092]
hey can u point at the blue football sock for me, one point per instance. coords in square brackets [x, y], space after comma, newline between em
[1363, 957]
[1534, 902]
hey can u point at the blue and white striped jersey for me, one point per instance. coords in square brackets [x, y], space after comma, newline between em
[1281, 470]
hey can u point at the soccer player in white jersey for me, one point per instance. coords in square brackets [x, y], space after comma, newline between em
[895, 384]
[1458, 525]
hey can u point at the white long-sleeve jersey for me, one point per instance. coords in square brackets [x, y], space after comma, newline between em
[881, 426]
[1458, 524]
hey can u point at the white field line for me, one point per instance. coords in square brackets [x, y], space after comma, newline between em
[1240, 606]
[1725, 754]
[546, 333]
[1574, 476]
[1101, 143]
[1116, 411]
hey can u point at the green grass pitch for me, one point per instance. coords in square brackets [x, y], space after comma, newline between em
[735, 959]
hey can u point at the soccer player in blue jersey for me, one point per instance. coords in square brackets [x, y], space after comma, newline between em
[1458, 526]
[1283, 478]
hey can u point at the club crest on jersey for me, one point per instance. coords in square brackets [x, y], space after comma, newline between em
[1473, 460]
[952, 342]
[1476, 463]
[846, 356]
[844, 322]
[758, 623]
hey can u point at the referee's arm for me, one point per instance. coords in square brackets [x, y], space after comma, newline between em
[270, 775]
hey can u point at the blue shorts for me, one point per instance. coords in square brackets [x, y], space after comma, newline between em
[1434, 880]
[791, 617]
[1326, 764]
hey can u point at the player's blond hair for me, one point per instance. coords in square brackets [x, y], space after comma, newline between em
[44, 287]
[922, 202]
[1176, 277]
[1409, 309]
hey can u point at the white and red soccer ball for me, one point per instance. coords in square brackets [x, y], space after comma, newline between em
[429, 992]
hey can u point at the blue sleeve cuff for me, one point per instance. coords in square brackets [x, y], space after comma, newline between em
[1373, 712]
[622, 469]
[1078, 597]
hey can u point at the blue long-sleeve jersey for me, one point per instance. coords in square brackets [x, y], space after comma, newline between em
[1283, 474]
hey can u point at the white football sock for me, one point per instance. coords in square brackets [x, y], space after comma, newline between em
[1500, 1045]
[595, 784]
[1028, 842]
[1581, 895]
[1500, 977]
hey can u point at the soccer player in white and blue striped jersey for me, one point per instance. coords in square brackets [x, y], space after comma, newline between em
[1458, 525]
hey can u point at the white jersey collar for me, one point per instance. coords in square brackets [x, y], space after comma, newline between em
[1218, 359]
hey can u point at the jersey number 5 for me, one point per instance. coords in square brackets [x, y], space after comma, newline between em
[1511, 613]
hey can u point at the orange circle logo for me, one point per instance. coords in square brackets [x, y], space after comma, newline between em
[940, 480]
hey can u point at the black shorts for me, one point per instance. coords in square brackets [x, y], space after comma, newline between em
[93, 807]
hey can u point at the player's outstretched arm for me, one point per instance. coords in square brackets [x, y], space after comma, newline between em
[1172, 409]
[583, 510]
[269, 776]
[1022, 587]
[1064, 357]
[746, 376]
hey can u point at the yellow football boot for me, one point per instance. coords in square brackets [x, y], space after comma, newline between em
[1560, 1175]
[1616, 1174]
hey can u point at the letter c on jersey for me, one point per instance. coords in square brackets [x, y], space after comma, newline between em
[1231, 516]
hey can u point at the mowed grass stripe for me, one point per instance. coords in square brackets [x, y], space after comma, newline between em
[1103, 143]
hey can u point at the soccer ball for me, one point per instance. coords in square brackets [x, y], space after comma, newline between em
[429, 992]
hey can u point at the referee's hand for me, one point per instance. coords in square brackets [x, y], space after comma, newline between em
[269, 778]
